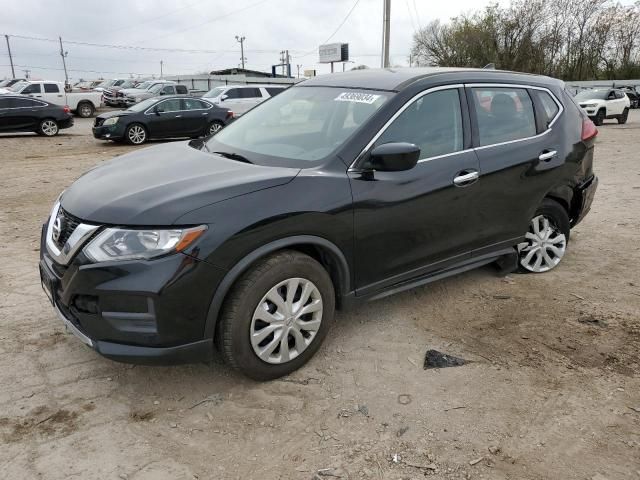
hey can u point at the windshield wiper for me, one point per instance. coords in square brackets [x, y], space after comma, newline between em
[234, 156]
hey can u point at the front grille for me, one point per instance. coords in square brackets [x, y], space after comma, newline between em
[69, 224]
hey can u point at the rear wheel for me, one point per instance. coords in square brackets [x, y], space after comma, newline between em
[48, 127]
[276, 316]
[546, 240]
[599, 118]
[622, 119]
[214, 127]
[135, 134]
[85, 110]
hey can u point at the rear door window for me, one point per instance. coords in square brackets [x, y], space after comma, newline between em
[503, 114]
[433, 123]
[26, 103]
[181, 89]
[195, 104]
[51, 88]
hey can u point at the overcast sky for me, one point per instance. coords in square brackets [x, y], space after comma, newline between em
[211, 25]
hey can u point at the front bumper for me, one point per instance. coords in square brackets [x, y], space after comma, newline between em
[147, 312]
[110, 132]
[583, 198]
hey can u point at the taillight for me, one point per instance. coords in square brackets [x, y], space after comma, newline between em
[229, 115]
[66, 109]
[589, 130]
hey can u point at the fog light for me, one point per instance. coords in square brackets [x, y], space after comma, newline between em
[86, 303]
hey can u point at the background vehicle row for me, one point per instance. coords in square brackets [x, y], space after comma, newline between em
[83, 103]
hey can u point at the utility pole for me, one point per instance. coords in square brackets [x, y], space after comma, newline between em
[241, 40]
[386, 27]
[288, 62]
[26, 73]
[64, 54]
[299, 67]
[13, 73]
[161, 63]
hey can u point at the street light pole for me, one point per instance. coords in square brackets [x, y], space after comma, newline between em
[161, 64]
[386, 26]
[241, 41]
[63, 54]
[13, 73]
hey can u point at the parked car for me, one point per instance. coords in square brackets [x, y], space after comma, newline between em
[5, 85]
[601, 103]
[162, 117]
[348, 187]
[242, 98]
[105, 84]
[87, 84]
[83, 104]
[159, 89]
[122, 94]
[111, 95]
[20, 114]
[634, 96]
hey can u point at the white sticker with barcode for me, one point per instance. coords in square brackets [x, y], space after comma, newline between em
[357, 97]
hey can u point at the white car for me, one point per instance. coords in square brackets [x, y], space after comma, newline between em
[82, 103]
[601, 103]
[242, 98]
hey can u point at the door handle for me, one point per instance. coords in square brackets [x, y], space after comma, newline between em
[178, 116]
[466, 177]
[548, 155]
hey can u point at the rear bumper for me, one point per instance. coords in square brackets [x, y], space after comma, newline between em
[584, 194]
[65, 123]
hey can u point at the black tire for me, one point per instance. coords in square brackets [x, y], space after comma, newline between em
[134, 139]
[235, 322]
[213, 128]
[48, 128]
[622, 119]
[599, 118]
[85, 110]
[558, 216]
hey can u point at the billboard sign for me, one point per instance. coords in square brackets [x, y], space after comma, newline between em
[334, 52]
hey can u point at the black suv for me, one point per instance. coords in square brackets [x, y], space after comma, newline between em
[347, 187]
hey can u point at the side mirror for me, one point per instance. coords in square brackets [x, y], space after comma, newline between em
[224, 97]
[158, 110]
[393, 157]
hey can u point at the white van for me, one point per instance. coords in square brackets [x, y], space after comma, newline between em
[242, 98]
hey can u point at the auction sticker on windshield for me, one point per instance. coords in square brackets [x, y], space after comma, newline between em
[357, 97]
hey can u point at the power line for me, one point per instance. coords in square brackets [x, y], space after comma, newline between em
[335, 31]
[417, 15]
[413, 25]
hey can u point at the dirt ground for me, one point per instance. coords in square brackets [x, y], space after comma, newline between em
[552, 391]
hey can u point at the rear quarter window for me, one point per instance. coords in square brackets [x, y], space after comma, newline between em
[181, 89]
[550, 108]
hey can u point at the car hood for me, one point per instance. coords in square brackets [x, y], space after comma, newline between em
[592, 100]
[132, 91]
[157, 185]
[116, 113]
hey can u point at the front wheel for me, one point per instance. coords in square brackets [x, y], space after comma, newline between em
[598, 120]
[276, 316]
[622, 119]
[546, 240]
[135, 134]
[48, 127]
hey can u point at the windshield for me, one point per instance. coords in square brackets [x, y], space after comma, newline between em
[595, 94]
[144, 85]
[128, 84]
[143, 105]
[106, 83]
[18, 86]
[214, 92]
[156, 88]
[302, 124]
[4, 83]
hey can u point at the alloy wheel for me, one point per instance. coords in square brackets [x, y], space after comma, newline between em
[286, 320]
[137, 134]
[214, 128]
[49, 128]
[544, 247]
[85, 111]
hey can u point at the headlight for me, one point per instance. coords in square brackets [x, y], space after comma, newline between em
[110, 121]
[590, 105]
[120, 244]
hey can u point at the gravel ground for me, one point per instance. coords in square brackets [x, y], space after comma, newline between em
[552, 391]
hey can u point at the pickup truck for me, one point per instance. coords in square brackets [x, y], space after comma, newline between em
[82, 103]
[164, 88]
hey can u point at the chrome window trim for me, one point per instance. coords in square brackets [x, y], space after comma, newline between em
[75, 241]
[465, 85]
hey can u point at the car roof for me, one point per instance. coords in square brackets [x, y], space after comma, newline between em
[396, 79]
